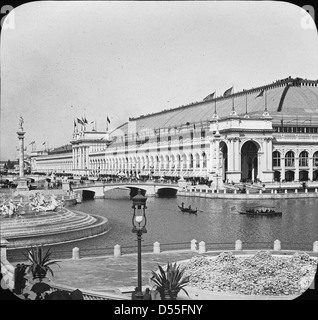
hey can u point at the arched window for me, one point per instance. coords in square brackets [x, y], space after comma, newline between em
[157, 163]
[184, 162]
[204, 160]
[180, 143]
[276, 159]
[315, 159]
[290, 159]
[197, 161]
[178, 162]
[303, 159]
[162, 163]
[167, 162]
[191, 161]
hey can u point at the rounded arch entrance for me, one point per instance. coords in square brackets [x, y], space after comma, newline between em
[224, 152]
[249, 161]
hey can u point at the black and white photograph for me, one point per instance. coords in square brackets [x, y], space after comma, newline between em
[159, 150]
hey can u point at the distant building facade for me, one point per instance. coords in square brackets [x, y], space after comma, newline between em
[261, 134]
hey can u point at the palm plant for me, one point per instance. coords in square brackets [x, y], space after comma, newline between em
[40, 262]
[171, 281]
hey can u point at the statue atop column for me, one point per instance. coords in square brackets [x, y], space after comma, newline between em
[22, 182]
[21, 121]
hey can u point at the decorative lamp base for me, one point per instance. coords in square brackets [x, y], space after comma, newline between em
[22, 185]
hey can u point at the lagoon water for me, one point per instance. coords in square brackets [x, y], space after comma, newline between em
[217, 223]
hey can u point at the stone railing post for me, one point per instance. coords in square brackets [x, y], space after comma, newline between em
[117, 251]
[238, 245]
[315, 247]
[75, 253]
[296, 191]
[193, 245]
[202, 248]
[156, 247]
[286, 191]
[277, 245]
[3, 246]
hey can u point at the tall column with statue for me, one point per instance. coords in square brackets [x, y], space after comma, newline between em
[22, 182]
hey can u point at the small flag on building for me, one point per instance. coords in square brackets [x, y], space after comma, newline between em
[227, 92]
[260, 94]
[80, 121]
[209, 97]
[108, 120]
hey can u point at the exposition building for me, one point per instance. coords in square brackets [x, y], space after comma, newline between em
[268, 133]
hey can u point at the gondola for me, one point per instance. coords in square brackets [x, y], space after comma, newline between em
[191, 211]
[261, 211]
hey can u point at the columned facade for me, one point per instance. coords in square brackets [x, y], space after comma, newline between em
[196, 142]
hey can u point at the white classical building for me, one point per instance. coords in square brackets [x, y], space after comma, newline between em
[266, 133]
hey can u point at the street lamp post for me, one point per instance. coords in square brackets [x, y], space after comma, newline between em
[139, 227]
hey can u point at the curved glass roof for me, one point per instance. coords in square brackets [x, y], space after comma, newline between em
[299, 99]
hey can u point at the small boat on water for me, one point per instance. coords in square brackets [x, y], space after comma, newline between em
[189, 210]
[261, 211]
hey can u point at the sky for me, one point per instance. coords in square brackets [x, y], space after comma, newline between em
[66, 60]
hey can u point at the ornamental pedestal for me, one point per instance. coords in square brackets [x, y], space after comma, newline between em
[234, 176]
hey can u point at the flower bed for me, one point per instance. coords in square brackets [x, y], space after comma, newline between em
[259, 274]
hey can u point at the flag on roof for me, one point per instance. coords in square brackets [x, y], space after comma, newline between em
[80, 121]
[85, 120]
[43, 143]
[108, 120]
[261, 93]
[209, 97]
[227, 92]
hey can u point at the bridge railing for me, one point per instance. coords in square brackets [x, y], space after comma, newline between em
[123, 183]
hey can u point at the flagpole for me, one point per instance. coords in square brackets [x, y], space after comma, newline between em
[215, 102]
[233, 99]
[246, 113]
[265, 100]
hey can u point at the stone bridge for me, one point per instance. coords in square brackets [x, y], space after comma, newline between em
[98, 189]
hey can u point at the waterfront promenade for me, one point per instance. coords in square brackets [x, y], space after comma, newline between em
[115, 277]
